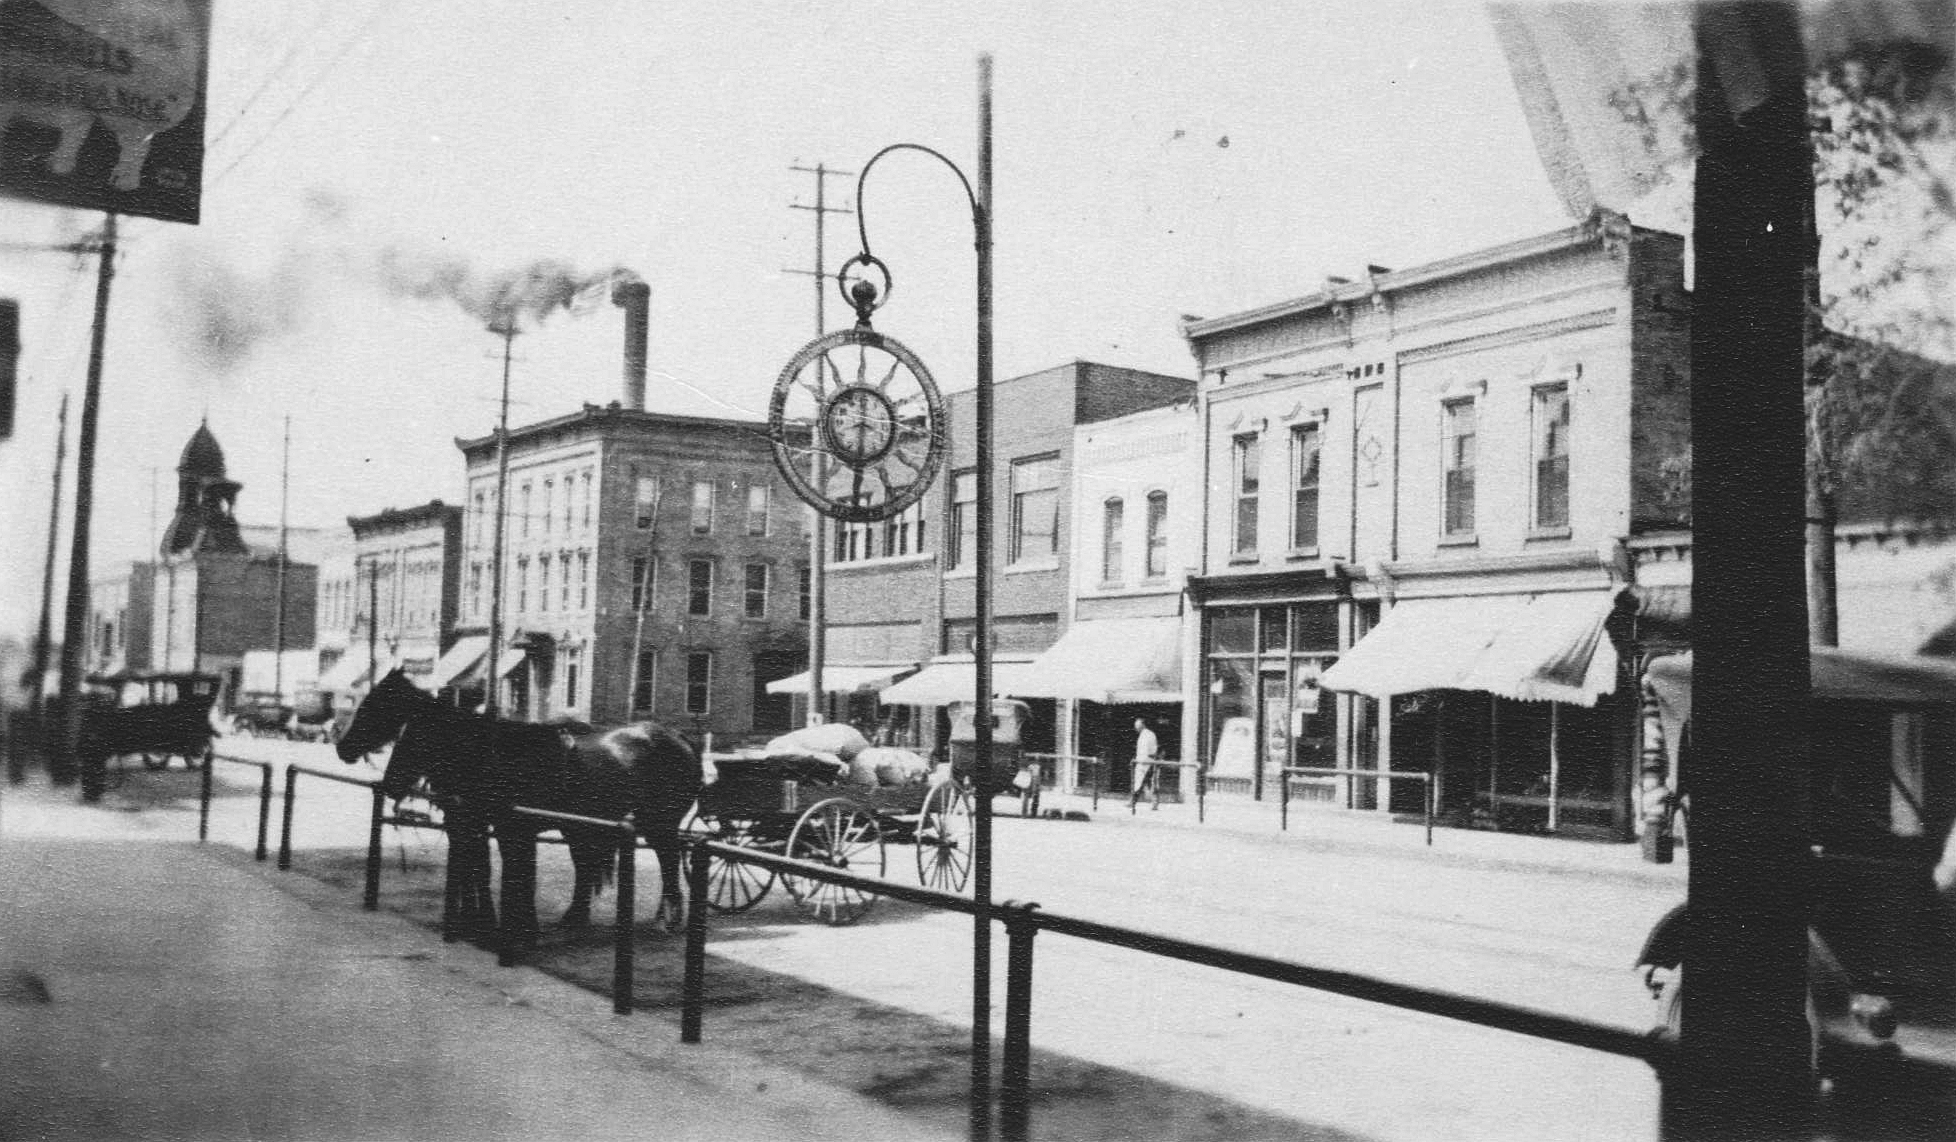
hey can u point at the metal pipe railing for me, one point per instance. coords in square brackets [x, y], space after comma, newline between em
[1023, 921]
[264, 799]
[1153, 782]
[627, 906]
[1054, 764]
[1290, 771]
[370, 894]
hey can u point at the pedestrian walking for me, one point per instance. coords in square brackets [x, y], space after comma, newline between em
[1146, 752]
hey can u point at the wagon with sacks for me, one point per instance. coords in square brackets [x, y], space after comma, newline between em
[825, 795]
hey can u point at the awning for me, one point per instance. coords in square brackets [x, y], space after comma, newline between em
[1836, 676]
[460, 659]
[953, 679]
[1543, 647]
[350, 671]
[845, 678]
[1110, 661]
[510, 658]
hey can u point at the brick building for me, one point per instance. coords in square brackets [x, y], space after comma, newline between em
[119, 613]
[1420, 490]
[215, 594]
[404, 570]
[1035, 418]
[654, 566]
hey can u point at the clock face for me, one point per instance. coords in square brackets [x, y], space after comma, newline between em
[860, 425]
[857, 426]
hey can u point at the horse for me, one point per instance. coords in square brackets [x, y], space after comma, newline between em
[488, 766]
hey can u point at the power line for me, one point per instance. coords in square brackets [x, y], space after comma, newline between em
[359, 35]
[298, 41]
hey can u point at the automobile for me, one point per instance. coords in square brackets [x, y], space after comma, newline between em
[1882, 942]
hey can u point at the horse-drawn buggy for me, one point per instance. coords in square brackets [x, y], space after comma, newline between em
[149, 715]
[842, 807]
[309, 717]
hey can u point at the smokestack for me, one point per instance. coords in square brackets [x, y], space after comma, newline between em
[635, 298]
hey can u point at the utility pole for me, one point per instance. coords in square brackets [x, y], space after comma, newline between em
[43, 638]
[65, 763]
[818, 538]
[492, 703]
[284, 490]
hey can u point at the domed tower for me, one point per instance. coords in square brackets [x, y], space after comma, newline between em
[203, 522]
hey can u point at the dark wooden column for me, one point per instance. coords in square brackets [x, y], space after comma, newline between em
[1744, 1069]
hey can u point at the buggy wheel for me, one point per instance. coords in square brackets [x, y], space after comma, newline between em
[841, 834]
[944, 831]
[730, 885]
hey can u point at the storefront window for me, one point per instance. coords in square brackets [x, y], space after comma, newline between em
[1232, 632]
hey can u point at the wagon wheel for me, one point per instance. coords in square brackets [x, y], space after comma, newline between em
[843, 834]
[944, 829]
[730, 885]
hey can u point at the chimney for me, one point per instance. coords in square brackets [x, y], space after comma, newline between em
[635, 298]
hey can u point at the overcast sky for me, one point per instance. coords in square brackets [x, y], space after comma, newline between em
[1152, 160]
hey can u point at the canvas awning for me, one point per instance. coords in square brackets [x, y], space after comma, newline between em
[1110, 661]
[509, 659]
[459, 660]
[845, 678]
[953, 679]
[1836, 676]
[1540, 647]
[350, 671]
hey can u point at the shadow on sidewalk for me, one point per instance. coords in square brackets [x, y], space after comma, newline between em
[906, 1060]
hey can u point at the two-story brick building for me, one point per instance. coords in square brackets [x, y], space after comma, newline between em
[1420, 489]
[400, 593]
[654, 565]
[1034, 418]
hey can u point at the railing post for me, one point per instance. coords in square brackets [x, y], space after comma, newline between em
[1099, 778]
[1201, 793]
[1283, 801]
[451, 885]
[1015, 1079]
[692, 991]
[204, 799]
[264, 808]
[1428, 783]
[371, 898]
[285, 830]
[626, 919]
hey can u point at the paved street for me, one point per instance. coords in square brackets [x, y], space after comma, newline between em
[1513, 923]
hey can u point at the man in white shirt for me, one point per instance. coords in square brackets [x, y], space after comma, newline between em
[1146, 751]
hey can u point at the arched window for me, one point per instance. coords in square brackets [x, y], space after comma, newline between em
[1112, 523]
[1157, 534]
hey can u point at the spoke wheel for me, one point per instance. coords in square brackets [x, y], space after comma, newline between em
[840, 834]
[730, 885]
[944, 833]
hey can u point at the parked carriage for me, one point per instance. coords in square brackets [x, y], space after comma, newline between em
[150, 715]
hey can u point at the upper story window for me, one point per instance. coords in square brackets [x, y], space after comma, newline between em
[903, 533]
[549, 504]
[1157, 534]
[525, 504]
[1457, 455]
[964, 521]
[645, 492]
[1112, 554]
[644, 577]
[755, 603]
[699, 682]
[584, 487]
[702, 507]
[1035, 510]
[699, 587]
[1246, 454]
[480, 517]
[854, 541]
[522, 584]
[1551, 457]
[543, 583]
[583, 580]
[570, 503]
[1306, 450]
[758, 497]
[564, 581]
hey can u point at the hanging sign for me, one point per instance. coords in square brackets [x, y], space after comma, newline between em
[102, 104]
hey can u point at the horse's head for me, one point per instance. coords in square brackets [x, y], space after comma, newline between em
[379, 717]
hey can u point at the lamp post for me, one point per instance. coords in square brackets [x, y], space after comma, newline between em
[980, 198]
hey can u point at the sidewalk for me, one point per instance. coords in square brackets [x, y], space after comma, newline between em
[1361, 830]
[153, 988]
